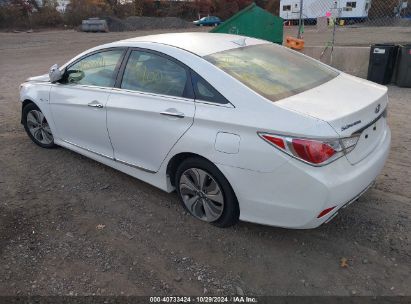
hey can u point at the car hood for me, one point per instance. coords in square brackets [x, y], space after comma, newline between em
[41, 78]
[347, 103]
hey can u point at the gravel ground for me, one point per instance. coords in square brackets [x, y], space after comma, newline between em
[69, 225]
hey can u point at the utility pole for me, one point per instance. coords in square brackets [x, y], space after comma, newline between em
[300, 19]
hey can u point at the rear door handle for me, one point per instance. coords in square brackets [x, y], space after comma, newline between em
[173, 113]
[95, 104]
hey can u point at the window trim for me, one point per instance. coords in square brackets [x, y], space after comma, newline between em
[194, 75]
[116, 70]
[188, 90]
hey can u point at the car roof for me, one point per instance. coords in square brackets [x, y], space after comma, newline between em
[201, 44]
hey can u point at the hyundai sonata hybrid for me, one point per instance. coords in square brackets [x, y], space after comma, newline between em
[241, 128]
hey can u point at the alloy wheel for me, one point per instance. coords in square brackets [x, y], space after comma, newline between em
[39, 127]
[201, 194]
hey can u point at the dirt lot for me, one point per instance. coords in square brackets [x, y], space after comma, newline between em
[52, 201]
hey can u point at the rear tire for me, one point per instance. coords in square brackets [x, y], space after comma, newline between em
[205, 193]
[37, 127]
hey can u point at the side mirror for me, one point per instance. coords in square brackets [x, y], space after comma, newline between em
[55, 73]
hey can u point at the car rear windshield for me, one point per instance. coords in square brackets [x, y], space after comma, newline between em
[271, 70]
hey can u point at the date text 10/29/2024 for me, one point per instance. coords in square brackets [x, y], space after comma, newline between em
[204, 299]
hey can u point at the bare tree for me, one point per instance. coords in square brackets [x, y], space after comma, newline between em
[138, 7]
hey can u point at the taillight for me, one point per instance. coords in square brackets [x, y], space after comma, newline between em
[279, 142]
[349, 143]
[312, 151]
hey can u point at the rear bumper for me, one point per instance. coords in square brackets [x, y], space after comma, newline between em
[295, 194]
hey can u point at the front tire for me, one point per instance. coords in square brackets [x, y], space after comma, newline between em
[37, 127]
[205, 193]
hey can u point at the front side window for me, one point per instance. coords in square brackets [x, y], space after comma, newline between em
[271, 70]
[286, 8]
[98, 69]
[152, 73]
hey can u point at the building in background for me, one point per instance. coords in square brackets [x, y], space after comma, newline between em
[312, 9]
[62, 5]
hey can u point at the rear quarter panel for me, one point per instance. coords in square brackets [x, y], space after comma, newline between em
[248, 114]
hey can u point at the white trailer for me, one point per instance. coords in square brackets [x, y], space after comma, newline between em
[312, 9]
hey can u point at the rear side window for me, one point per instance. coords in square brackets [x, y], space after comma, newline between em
[273, 71]
[205, 92]
[98, 69]
[152, 73]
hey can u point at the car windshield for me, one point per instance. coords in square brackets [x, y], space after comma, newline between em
[271, 70]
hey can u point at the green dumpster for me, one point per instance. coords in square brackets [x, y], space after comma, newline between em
[253, 21]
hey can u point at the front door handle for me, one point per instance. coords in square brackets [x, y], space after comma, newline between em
[173, 113]
[95, 104]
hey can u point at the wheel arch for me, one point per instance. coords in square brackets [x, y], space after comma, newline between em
[24, 103]
[177, 159]
[173, 165]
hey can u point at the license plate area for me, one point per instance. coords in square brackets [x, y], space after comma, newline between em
[369, 139]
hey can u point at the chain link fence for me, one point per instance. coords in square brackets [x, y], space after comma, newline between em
[347, 22]
[352, 12]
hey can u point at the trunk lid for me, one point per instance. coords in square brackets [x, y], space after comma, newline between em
[349, 105]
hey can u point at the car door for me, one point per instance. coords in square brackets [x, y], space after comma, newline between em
[150, 109]
[78, 101]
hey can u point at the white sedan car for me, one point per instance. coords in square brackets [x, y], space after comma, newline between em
[241, 128]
